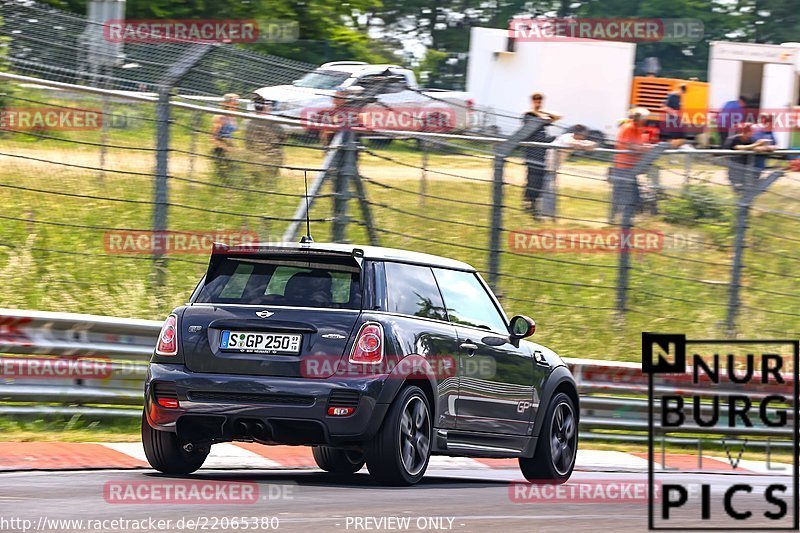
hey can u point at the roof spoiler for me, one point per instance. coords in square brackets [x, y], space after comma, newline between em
[220, 251]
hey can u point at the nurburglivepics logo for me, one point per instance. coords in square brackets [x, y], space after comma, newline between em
[739, 396]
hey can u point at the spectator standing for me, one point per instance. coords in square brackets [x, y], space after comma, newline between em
[535, 155]
[223, 128]
[632, 137]
[263, 139]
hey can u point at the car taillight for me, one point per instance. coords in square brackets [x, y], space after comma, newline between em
[168, 338]
[166, 395]
[368, 348]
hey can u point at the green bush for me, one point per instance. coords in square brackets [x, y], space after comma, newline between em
[697, 204]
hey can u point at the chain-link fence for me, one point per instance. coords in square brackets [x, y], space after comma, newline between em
[115, 216]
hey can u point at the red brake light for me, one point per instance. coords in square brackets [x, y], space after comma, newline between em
[368, 348]
[341, 411]
[168, 338]
[169, 403]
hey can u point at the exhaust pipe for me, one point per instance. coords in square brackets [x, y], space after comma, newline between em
[260, 431]
[251, 428]
[241, 428]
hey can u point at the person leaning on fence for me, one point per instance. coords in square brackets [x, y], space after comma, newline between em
[223, 128]
[746, 167]
[535, 155]
[633, 139]
[263, 141]
[730, 117]
[564, 144]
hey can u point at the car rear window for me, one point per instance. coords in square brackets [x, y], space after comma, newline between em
[288, 283]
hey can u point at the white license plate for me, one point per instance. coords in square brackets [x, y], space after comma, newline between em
[269, 343]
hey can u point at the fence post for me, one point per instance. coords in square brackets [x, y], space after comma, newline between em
[161, 193]
[332, 160]
[742, 212]
[423, 182]
[747, 192]
[197, 118]
[501, 152]
[361, 194]
[345, 173]
[627, 188]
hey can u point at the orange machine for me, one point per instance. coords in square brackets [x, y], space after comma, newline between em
[651, 92]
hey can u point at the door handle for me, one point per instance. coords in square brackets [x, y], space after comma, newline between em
[469, 347]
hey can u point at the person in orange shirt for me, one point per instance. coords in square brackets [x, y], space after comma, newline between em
[633, 138]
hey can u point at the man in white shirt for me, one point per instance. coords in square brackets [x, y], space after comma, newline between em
[563, 145]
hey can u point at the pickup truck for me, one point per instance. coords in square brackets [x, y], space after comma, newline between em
[313, 93]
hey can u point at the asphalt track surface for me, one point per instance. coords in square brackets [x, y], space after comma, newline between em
[313, 501]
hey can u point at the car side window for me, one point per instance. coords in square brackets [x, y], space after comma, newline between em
[467, 301]
[411, 290]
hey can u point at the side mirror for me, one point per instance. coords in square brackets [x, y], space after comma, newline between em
[522, 326]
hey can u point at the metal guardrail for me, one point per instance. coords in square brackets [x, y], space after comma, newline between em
[613, 394]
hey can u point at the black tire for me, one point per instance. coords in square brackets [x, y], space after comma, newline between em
[338, 461]
[384, 453]
[554, 459]
[165, 454]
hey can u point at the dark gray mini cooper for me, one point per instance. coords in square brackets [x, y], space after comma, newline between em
[370, 355]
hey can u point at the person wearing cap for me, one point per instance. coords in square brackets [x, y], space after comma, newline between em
[535, 155]
[263, 140]
[223, 128]
[632, 138]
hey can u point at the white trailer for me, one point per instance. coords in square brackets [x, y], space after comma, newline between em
[587, 81]
[768, 74]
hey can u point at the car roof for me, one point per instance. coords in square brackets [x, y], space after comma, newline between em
[378, 253]
[356, 68]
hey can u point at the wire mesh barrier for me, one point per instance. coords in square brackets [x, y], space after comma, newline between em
[113, 208]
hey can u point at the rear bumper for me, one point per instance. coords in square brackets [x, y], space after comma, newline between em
[293, 409]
